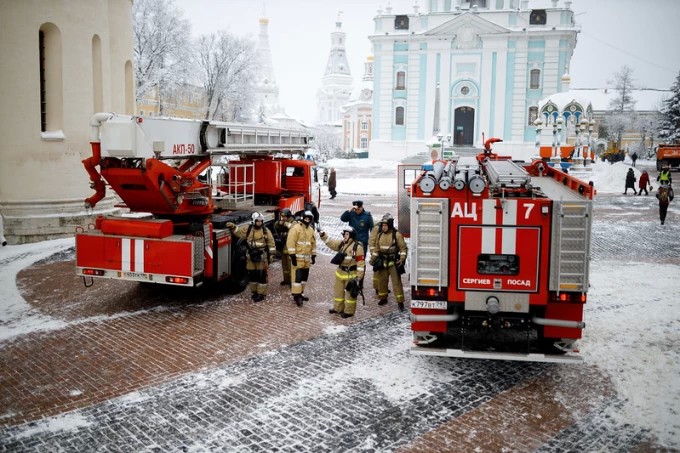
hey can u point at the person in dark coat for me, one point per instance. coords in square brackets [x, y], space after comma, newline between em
[643, 183]
[359, 219]
[331, 183]
[634, 158]
[630, 182]
[665, 195]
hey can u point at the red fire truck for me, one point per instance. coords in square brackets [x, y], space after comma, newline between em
[182, 181]
[499, 257]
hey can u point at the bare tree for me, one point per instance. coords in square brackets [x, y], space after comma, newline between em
[161, 48]
[622, 106]
[227, 64]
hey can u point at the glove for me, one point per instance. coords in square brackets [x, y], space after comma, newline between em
[372, 260]
[293, 260]
[231, 225]
[313, 259]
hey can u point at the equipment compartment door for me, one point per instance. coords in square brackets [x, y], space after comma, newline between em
[498, 258]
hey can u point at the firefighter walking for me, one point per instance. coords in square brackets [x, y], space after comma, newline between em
[282, 226]
[388, 256]
[301, 245]
[261, 247]
[350, 271]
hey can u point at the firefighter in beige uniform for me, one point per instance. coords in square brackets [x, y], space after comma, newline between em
[388, 255]
[261, 247]
[301, 245]
[282, 226]
[350, 271]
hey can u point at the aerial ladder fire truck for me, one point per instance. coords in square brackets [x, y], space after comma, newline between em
[182, 182]
[499, 261]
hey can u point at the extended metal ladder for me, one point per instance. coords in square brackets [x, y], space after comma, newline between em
[570, 254]
[430, 242]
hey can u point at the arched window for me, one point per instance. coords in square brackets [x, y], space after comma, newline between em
[51, 84]
[401, 80]
[97, 76]
[399, 116]
[533, 114]
[535, 79]
[129, 90]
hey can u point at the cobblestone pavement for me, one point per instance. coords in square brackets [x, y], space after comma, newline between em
[138, 369]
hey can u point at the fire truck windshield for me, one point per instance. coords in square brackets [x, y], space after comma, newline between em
[497, 264]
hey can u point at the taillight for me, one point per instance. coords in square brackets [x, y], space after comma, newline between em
[96, 272]
[179, 280]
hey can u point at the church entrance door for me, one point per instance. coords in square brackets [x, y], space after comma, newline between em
[464, 126]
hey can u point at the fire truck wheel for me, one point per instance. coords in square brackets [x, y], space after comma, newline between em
[239, 275]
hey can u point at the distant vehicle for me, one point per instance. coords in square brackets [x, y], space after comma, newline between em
[668, 155]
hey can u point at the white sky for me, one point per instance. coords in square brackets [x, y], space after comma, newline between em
[640, 34]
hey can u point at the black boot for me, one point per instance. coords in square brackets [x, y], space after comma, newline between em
[259, 298]
[298, 300]
[382, 302]
[345, 315]
[285, 283]
[401, 306]
[304, 298]
[332, 311]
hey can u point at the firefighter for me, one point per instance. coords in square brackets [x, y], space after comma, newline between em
[388, 256]
[301, 245]
[350, 271]
[261, 247]
[282, 226]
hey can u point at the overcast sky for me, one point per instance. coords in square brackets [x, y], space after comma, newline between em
[642, 34]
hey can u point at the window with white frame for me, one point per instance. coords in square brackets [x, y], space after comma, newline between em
[364, 125]
[533, 114]
[399, 116]
[535, 79]
[401, 80]
[364, 143]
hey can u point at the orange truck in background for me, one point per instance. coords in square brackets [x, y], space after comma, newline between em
[668, 155]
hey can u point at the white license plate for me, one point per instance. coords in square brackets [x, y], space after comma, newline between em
[136, 275]
[429, 304]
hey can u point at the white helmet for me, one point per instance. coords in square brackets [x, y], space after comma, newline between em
[257, 216]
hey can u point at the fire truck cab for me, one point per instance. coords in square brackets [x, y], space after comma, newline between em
[182, 182]
[499, 259]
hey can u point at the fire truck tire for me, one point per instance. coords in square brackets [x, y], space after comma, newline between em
[239, 275]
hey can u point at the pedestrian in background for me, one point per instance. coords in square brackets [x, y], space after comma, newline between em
[634, 157]
[665, 195]
[643, 183]
[630, 182]
[301, 244]
[282, 227]
[388, 256]
[332, 183]
[350, 271]
[261, 247]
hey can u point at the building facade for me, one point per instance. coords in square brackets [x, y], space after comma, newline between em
[63, 60]
[358, 114]
[336, 84]
[468, 69]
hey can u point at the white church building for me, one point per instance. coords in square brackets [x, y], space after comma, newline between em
[464, 70]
